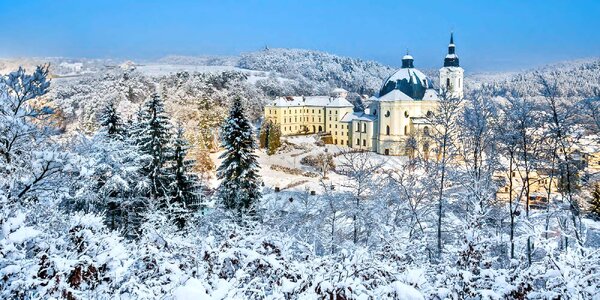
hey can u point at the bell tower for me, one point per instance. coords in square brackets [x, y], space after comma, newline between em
[452, 75]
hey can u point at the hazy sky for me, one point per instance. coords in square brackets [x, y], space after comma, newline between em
[490, 35]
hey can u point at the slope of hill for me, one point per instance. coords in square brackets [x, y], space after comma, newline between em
[321, 70]
[574, 79]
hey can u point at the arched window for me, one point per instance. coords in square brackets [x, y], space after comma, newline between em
[387, 113]
[365, 143]
[387, 130]
[364, 127]
[426, 131]
[448, 82]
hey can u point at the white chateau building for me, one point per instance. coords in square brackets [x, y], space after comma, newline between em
[396, 120]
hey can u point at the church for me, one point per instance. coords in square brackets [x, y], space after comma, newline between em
[396, 121]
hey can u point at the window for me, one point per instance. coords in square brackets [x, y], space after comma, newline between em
[426, 131]
[406, 113]
[336, 112]
[387, 113]
[405, 130]
[329, 126]
[329, 118]
[448, 82]
[386, 151]
[364, 127]
[374, 112]
[429, 114]
[357, 142]
[335, 125]
[313, 111]
[284, 112]
[364, 143]
[387, 130]
[357, 127]
[335, 141]
[424, 82]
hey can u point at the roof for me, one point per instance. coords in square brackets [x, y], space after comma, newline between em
[358, 116]
[311, 101]
[395, 95]
[410, 81]
[339, 102]
[431, 94]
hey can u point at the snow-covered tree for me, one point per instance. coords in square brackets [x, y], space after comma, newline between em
[152, 136]
[240, 182]
[184, 186]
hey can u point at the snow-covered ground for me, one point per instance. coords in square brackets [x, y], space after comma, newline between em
[306, 146]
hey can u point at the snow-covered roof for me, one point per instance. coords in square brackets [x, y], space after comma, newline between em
[451, 56]
[431, 94]
[407, 56]
[311, 101]
[395, 95]
[408, 74]
[338, 90]
[359, 116]
[339, 102]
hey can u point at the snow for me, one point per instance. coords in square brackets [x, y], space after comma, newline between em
[395, 95]
[192, 290]
[23, 234]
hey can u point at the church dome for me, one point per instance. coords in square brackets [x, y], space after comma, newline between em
[408, 80]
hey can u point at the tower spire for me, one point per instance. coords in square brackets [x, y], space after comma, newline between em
[451, 59]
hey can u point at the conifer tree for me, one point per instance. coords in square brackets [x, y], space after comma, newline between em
[111, 121]
[274, 138]
[595, 201]
[238, 172]
[152, 138]
[263, 136]
[185, 185]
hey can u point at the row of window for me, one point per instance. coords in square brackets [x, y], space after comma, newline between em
[286, 120]
[289, 111]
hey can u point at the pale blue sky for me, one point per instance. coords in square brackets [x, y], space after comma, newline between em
[490, 35]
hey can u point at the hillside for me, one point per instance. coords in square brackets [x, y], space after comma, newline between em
[321, 70]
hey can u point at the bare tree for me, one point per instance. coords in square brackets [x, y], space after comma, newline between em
[443, 133]
[362, 171]
[561, 123]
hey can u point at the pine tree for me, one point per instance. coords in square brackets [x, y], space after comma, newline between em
[184, 186]
[263, 136]
[274, 138]
[238, 172]
[111, 121]
[595, 201]
[152, 138]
